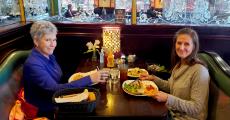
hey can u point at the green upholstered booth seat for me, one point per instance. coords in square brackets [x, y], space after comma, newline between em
[10, 63]
[10, 80]
[218, 69]
[219, 88]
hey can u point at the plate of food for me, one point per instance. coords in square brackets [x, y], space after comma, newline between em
[76, 76]
[140, 87]
[136, 72]
[157, 68]
[79, 75]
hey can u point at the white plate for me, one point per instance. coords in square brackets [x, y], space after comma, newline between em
[76, 76]
[130, 74]
[145, 83]
[79, 75]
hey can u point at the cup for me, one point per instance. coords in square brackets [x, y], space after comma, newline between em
[115, 75]
[106, 70]
[113, 88]
[123, 72]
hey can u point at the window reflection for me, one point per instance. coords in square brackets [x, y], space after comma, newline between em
[89, 10]
[185, 12]
[197, 12]
[9, 12]
[36, 9]
[154, 11]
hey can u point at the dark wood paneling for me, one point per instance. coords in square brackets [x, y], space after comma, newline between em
[152, 42]
[13, 37]
[69, 51]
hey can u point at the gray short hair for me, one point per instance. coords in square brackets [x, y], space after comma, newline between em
[40, 28]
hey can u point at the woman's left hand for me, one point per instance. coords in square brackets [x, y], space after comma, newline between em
[161, 96]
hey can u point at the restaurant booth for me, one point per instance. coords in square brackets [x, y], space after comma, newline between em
[149, 38]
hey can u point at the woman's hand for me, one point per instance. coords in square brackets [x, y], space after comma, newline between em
[147, 77]
[161, 96]
[99, 76]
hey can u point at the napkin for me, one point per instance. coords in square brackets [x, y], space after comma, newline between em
[73, 98]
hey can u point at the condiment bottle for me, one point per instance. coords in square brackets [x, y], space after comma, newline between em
[110, 59]
[102, 56]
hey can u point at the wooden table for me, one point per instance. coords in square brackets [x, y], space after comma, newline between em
[115, 103]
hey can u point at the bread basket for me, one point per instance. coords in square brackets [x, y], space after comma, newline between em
[84, 106]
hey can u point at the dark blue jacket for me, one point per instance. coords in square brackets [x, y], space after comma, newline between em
[41, 77]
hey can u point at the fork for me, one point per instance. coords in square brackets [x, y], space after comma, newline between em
[138, 79]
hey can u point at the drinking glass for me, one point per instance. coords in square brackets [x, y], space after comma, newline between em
[115, 75]
[123, 72]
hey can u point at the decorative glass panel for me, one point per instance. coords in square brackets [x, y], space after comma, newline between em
[9, 12]
[127, 5]
[88, 10]
[195, 12]
[36, 9]
[198, 12]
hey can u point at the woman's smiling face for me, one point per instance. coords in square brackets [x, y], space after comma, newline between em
[184, 45]
[46, 44]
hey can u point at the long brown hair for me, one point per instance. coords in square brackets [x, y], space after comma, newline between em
[192, 58]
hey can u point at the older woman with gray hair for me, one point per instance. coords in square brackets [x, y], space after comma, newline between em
[42, 74]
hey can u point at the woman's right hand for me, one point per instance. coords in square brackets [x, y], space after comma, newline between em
[147, 77]
[99, 76]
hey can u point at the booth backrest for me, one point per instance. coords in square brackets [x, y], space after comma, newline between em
[10, 80]
[219, 89]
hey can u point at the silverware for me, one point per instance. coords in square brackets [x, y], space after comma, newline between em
[98, 68]
[138, 79]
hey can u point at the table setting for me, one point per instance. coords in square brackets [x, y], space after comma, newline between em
[120, 96]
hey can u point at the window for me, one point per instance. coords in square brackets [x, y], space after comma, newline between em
[36, 9]
[195, 12]
[9, 12]
[199, 12]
